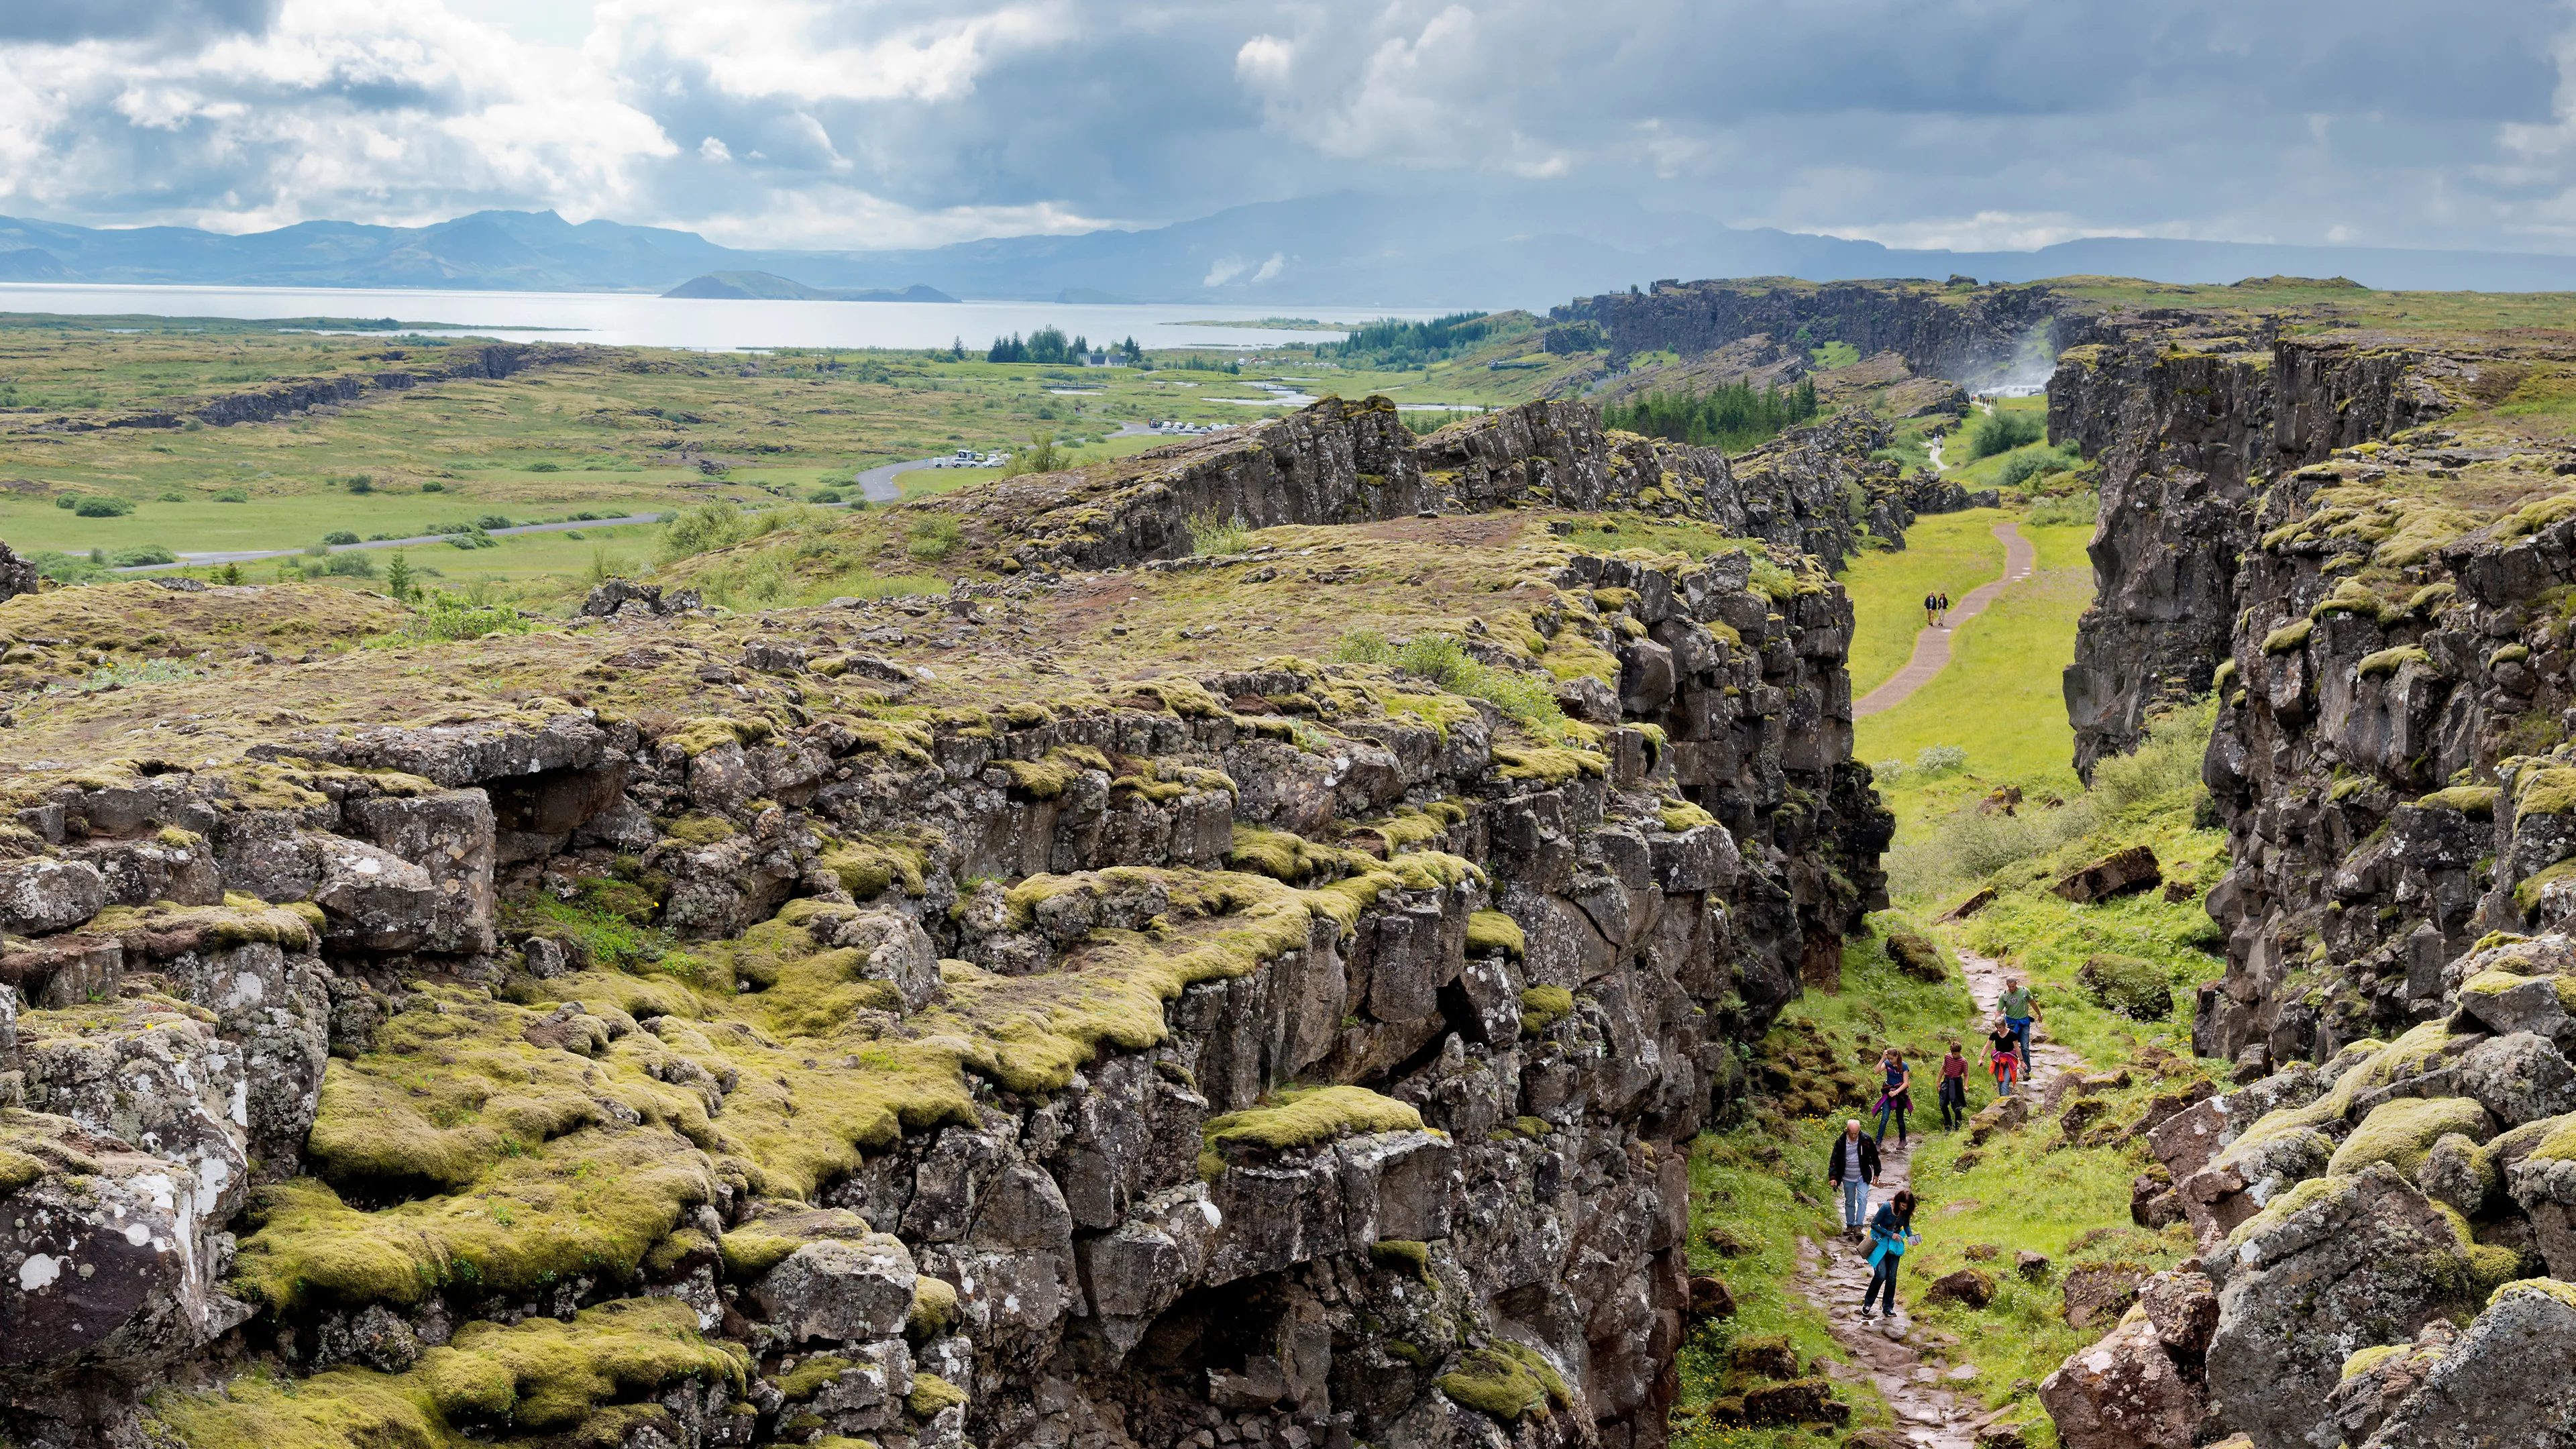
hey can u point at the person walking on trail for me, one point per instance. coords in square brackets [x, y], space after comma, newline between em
[1954, 1089]
[2018, 1011]
[1854, 1166]
[1943, 614]
[1931, 609]
[1894, 1100]
[1891, 1232]
[2003, 1056]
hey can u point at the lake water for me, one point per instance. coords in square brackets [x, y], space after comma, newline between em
[634, 319]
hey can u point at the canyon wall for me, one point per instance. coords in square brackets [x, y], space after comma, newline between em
[1270, 1052]
[1962, 333]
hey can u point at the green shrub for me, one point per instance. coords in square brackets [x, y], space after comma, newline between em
[495, 520]
[932, 537]
[231, 495]
[708, 526]
[433, 486]
[350, 566]
[1363, 646]
[2135, 988]
[339, 537]
[361, 483]
[141, 555]
[66, 500]
[1934, 760]
[1210, 534]
[2003, 430]
[173, 495]
[542, 467]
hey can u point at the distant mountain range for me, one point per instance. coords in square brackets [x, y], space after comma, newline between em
[769, 287]
[1347, 249]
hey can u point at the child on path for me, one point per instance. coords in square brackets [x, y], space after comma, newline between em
[1890, 1233]
[2003, 1056]
[1954, 1089]
[1894, 1100]
[1854, 1165]
[2018, 1011]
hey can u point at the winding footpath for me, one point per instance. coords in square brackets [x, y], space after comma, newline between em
[1932, 646]
[1909, 1367]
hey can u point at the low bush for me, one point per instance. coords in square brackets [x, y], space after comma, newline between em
[141, 556]
[1212, 534]
[932, 537]
[702, 529]
[2072, 508]
[100, 505]
[232, 495]
[339, 537]
[2004, 429]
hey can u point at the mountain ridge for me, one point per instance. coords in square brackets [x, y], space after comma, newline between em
[1345, 249]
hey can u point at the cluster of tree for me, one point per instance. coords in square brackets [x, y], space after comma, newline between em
[1048, 344]
[1731, 416]
[2002, 431]
[1393, 345]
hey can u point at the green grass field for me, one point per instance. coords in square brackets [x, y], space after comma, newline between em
[1999, 700]
[1953, 551]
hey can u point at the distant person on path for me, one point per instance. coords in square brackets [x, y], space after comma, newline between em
[1894, 1100]
[1944, 597]
[1954, 1089]
[2003, 1057]
[2018, 1011]
[1854, 1165]
[1931, 610]
[1890, 1234]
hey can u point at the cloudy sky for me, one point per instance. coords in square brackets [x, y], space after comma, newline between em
[1961, 123]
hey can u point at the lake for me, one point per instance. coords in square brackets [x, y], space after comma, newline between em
[636, 319]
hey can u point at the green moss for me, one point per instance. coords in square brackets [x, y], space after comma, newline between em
[766, 1241]
[1549, 764]
[1047, 778]
[2287, 637]
[697, 736]
[1680, 815]
[2533, 517]
[701, 830]
[930, 1394]
[2546, 1287]
[2509, 654]
[540, 1376]
[868, 866]
[17, 1170]
[1507, 1381]
[811, 1376]
[1306, 1116]
[2288, 1205]
[2547, 790]
[1282, 856]
[2368, 1358]
[2223, 676]
[242, 920]
[2528, 890]
[2389, 661]
[1543, 1007]
[1404, 1257]
[934, 1306]
[1492, 931]
[1397, 1348]
[2401, 1132]
[2478, 802]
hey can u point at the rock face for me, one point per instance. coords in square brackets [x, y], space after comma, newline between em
[2188, 419]
[1970, 335]
[1283, 1052]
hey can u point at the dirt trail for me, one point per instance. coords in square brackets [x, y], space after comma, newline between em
[1932, 646]
[1912, 1368]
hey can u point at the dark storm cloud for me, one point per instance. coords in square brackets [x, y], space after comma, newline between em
[1973, 122]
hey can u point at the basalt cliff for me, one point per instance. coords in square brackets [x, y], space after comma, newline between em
[2359, 540]
[1139, 997]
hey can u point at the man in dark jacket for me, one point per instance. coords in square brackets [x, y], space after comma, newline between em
[1854, 1165]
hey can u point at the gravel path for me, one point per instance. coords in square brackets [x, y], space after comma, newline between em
[1932, 646]
[1911, 1367]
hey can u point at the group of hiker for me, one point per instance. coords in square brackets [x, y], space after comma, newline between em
[1853, 1166]
[1936, 607]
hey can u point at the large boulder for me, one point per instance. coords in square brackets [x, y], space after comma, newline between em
[2125, 1392]
[2543, 1185]
[2377, 1380]
[2335, 1265]
[2117, 874]
[836, 1289]
[2511, 1378]
[2520, 1078]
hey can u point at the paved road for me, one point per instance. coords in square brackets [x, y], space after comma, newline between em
[1932, 646]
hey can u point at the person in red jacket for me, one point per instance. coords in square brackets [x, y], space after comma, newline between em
[1954, 1088]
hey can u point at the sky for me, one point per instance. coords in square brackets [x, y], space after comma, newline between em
[1970, 124]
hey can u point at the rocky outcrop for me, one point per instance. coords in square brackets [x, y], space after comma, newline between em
[2189, 417]
[1277, 1053]
[1962, 335]
[1355, 462]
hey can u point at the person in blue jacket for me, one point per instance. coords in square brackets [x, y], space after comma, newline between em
[1891, 1232]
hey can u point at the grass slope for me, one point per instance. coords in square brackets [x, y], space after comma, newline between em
[1953, 551]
